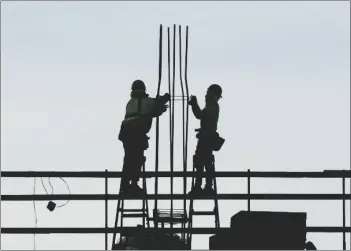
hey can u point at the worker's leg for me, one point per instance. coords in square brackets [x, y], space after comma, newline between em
[139, 159]
[209, 166]
[210, 179]
[138, 165]
[127, 164]
[199, 170]
[199, 166]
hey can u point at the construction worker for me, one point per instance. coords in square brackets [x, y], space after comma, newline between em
[140, 111]
[208, 138]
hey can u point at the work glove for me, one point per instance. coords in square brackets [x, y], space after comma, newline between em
[193, 100]
[160, 109]
[167, 97]
[164, 108]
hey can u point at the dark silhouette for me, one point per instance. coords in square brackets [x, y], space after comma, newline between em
[263, 231]
[145, 241]
[208, 138]
[140, 111]
[310, 246]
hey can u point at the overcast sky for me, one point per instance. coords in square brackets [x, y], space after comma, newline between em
[65, 80]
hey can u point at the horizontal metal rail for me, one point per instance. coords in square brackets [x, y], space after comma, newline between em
[66, 230]
[38, 197]
[343, 174]
[253, 174]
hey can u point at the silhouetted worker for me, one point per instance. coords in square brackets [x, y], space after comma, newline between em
[208, 138]
[140, 111]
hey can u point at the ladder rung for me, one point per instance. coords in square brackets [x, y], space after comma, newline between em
[204, 213]
[132, 210]
[134, 215]
[167, 220]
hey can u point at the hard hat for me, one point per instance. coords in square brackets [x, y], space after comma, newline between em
[138, 85]
[216, 89]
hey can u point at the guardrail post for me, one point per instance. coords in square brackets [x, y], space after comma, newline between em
[343, 215]
[248, 190]
[106, 210]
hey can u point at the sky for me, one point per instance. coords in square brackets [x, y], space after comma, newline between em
[66, 72]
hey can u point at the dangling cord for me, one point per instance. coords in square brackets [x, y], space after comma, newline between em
[69, 191]
[52, 189]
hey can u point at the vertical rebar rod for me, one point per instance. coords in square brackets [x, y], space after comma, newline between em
[183, 116]
[343, 215]
[248, 190]
[187, 100]
[106, 210]
[183, 112]
[187, 124]
[170, 102]
[173, 93]
[157, 119]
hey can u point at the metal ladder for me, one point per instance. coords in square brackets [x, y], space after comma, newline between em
[214, 212]
[132, 213]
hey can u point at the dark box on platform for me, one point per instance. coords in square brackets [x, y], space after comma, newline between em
[263, 231]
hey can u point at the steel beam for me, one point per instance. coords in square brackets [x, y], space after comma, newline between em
[44, 197]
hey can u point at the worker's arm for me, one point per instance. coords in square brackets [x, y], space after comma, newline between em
[164, 99]
[195, 107]
[160, 106]
[196, 110]
[156, 107]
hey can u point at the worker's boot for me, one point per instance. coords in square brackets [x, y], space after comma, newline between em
[196, 190]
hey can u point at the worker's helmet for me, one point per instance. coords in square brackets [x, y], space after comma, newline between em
[216, 89]
[138, 85]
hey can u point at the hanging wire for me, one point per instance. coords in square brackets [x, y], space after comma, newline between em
[69, 191]
[52, 189]
[42, 183]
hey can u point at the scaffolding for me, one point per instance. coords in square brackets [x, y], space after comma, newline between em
[106, 197]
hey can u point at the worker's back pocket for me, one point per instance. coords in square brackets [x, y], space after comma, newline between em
[218, 142]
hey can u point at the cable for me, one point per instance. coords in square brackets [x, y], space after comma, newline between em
[42, 183]
[35, 214]
[68, 191]
[52, 192]
[52, 189]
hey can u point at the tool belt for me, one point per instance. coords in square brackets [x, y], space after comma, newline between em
[215, 140]
[129, 134]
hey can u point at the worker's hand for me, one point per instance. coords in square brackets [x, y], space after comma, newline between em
[167, 97]
[164, 108]
[193, 100]
[160, 110]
